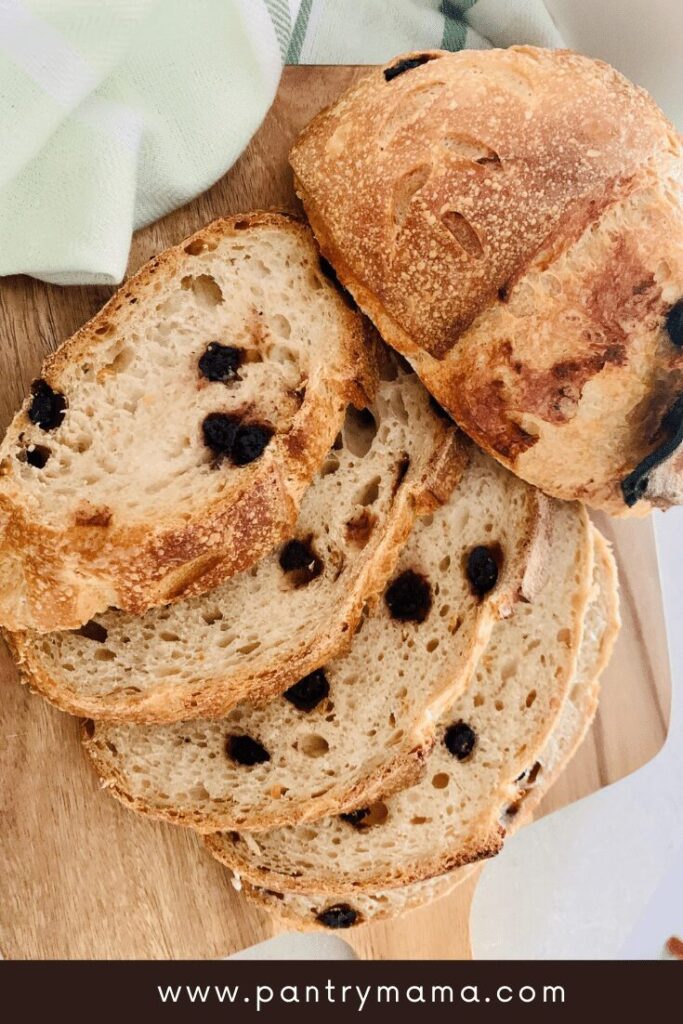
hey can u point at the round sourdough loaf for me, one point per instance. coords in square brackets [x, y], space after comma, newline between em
[512, 222]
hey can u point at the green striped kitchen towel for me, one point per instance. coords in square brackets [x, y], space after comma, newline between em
[113, 112]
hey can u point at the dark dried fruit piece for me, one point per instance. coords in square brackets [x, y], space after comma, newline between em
[674, 323]
[37, 456]
[245, 750]
[634, 486]
[482, 570]
[250, 443]
[460, 740]
[341, 915]
[309, 691]
[355, 818]
[220, 430]
[220, 362]
[409, 597]
[241, 442]
[405, 65]
[48, 407]
[300, 562]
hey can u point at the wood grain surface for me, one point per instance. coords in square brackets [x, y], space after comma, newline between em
[80, 876]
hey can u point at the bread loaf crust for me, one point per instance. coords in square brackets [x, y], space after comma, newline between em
[512, 221]
[58, 578]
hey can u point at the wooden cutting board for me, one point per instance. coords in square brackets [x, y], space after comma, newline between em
[81, 877]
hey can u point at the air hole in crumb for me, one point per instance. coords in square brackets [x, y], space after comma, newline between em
[205, 289]
[370, 493]
[249, 648]
[280, 325]
[212, 615]
[440, 780]
[104, 654]
[359, 431]
[530, 698]
[314, 746]
[330, 465]
[194, 247]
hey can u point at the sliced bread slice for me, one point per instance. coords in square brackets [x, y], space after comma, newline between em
[307, 912]
[362, 725]
[268, 626]
[168, 443]
[345, 909]
[484, 742]
[601, 629]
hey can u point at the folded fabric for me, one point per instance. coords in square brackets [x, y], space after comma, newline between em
[114, 112]
[372, 31]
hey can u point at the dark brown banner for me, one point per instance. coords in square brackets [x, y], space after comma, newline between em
[301, 991]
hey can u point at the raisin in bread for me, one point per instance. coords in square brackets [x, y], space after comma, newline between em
[512, 221]
[345, 909]
[485, 740]
[168, 443]
[267, 627]
[361, 725]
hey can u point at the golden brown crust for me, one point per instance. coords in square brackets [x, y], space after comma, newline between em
[59, 578]
[450, 199]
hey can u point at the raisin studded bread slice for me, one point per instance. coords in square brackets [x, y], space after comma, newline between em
[308, 912]
[362, 725]
[344, 909]
[512, 222]
[485, 740]
[267, 627]
[168, 443]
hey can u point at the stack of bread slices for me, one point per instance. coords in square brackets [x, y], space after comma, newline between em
[300, 611]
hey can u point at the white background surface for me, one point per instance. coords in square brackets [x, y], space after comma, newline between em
[604, 877]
